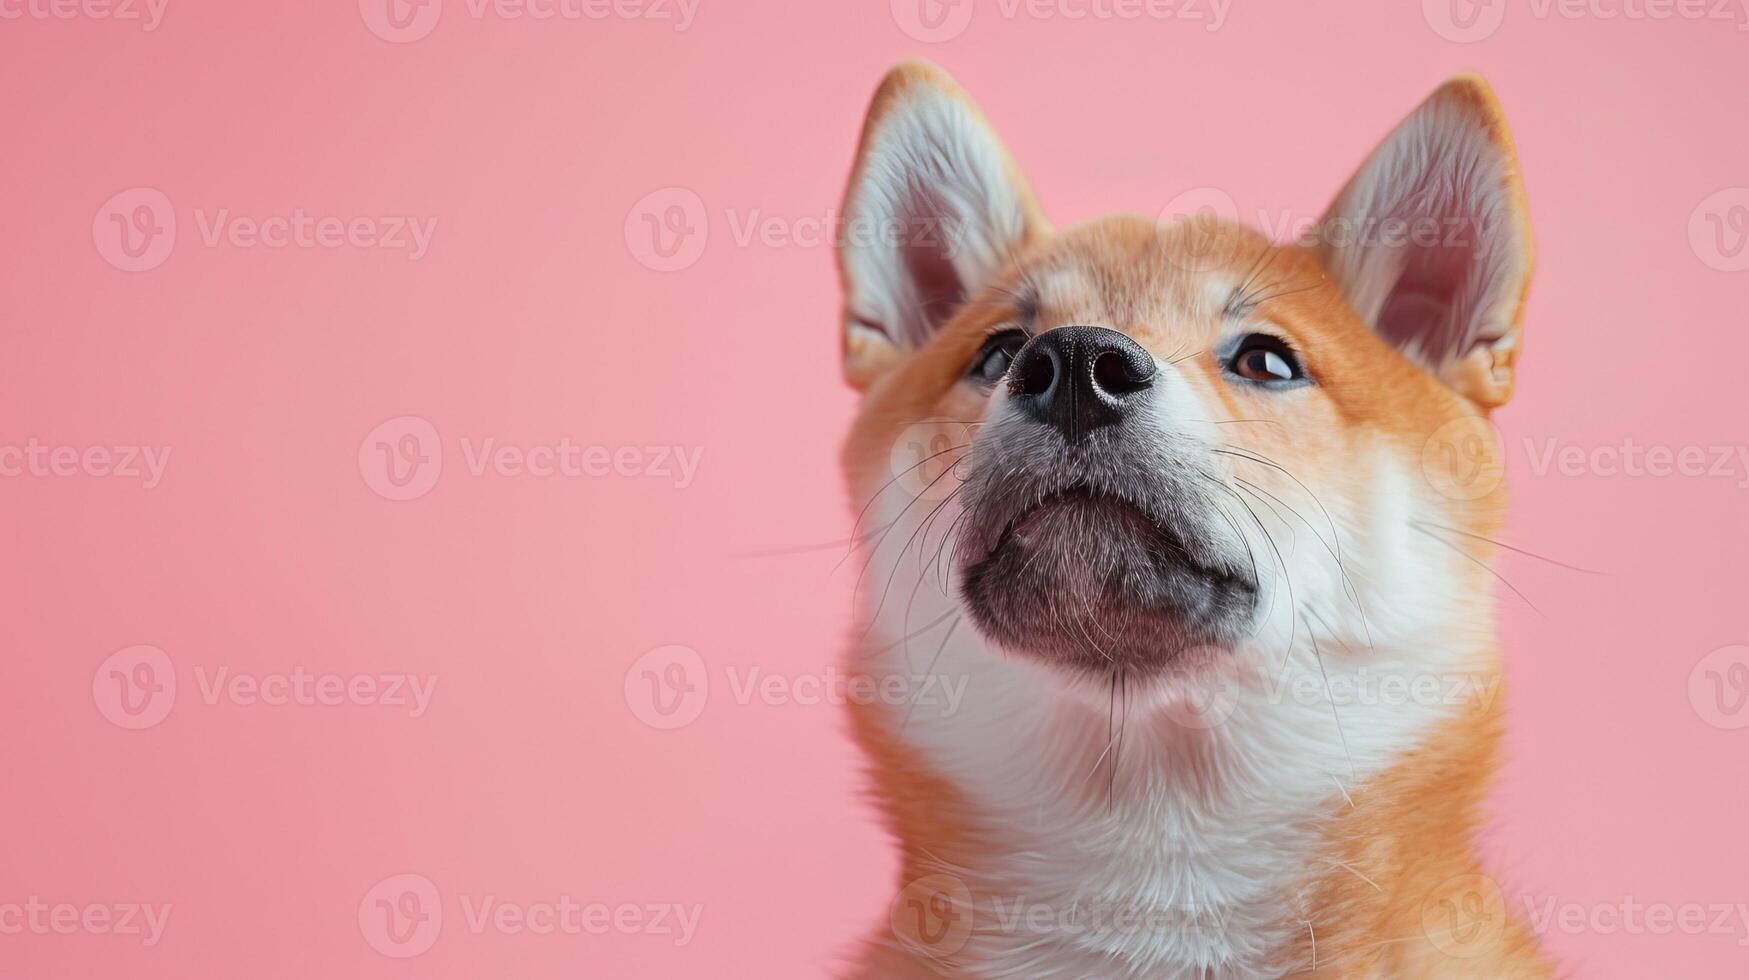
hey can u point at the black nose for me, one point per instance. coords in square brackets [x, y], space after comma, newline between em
[1080, 378]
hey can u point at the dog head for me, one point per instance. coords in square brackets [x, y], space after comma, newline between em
[1144, 446]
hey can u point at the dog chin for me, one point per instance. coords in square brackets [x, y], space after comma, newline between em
[1092, 584]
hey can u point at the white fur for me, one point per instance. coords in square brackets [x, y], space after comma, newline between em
[1208, 829]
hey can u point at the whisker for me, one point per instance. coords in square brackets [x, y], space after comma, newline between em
[895, 523]
[1250, 488]
[1240, 535]
[883, 489]
[1515, 550]
[1281, 564]
[1123, 697]
[919, 631]
[1110, 736]
[1335, 552]
[1334, 714]
[803, 549]
[930, 670]
[1239, 302]
[1482, 565]
[1335, 536]
[1236, 421]
[899, 561]
[1260, 300]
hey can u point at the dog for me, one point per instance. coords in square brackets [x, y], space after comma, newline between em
[1202, 523]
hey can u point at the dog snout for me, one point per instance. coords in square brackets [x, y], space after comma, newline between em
[1078, 379]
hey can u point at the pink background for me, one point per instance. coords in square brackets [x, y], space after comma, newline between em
[536, 315]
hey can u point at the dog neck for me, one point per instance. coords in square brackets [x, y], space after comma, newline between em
[1136, 828]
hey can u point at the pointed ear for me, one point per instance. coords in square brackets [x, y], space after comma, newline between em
[935, 206]
[1430, 242]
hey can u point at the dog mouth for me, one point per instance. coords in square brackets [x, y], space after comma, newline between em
[1081, 501]
[1094, 579]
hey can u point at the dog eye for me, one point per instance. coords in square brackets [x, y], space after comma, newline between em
[1264, 358]
[994, 357]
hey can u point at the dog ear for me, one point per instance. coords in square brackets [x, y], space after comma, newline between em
[1430, 241]
[935, 207]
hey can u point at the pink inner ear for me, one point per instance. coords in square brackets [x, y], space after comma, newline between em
[1426, 242]
[1428, 312]
[925, 251]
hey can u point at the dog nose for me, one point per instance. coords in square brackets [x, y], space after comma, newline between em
[1078, 379]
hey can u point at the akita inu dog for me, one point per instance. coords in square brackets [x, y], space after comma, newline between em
[1203, 523]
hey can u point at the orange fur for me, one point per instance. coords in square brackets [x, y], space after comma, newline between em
[1399, 848]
